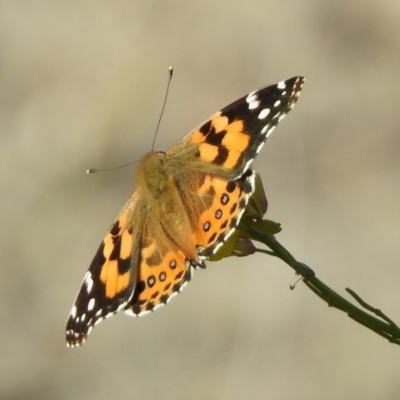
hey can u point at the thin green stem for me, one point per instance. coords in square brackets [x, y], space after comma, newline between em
[263, 251]
[386, 328]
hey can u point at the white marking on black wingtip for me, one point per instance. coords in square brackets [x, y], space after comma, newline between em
[73, 312]
[254, 105]
[253, 101]
[88, 280]
[91, 304]
[281, 85]
[252, 96]
[264, 113]
[270, 131]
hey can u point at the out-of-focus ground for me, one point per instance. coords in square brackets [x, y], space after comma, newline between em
[81, 85]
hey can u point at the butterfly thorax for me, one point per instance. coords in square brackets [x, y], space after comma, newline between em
[152, 176]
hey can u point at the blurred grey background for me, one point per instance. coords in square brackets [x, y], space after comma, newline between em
[82, 84]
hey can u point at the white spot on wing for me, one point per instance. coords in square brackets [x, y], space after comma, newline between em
[277, 103]
[254, 104]
[91, 304]
[270, 130]
[260, 147]
[264, 113]
[173, 294]
[157, 306]
[251, 97]
[247, 165]
[281, 85]
[252, 100]
[88, 281]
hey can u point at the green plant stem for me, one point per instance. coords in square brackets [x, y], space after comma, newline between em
[385, 328]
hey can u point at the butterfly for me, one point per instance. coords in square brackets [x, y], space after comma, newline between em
[187, 203]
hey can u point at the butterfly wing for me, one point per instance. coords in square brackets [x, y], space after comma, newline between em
[214, 206]
[228, 142]
[164, 269]
[211, 164]
[110, 281]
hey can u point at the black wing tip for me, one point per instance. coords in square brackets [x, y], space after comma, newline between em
[74, 336]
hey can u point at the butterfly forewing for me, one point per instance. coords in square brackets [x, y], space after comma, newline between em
[227, 143]
[109, 283]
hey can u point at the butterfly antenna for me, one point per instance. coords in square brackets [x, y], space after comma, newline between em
[170, 73]
[95, 170]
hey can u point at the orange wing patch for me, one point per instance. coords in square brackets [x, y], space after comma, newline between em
[208, 152]
[115, 273]
[222, 142]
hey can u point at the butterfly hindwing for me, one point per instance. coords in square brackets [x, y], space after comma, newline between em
[164, 268]
[214, 206]
[159, 279]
